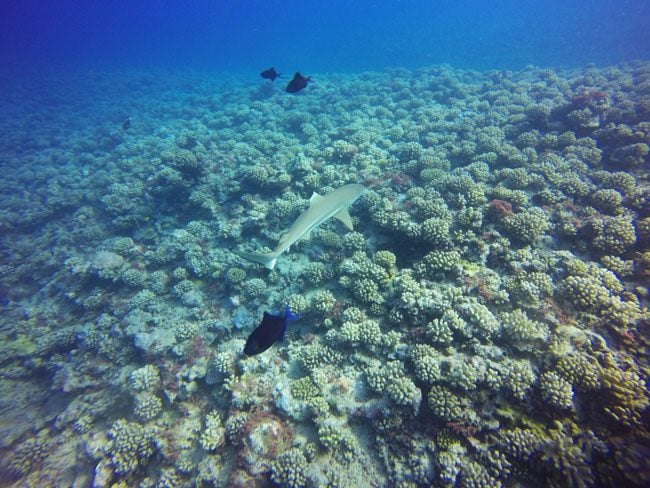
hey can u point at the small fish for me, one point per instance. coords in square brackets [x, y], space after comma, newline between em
[270, 331]
[270, 74]
[127, 123]
[297, 83]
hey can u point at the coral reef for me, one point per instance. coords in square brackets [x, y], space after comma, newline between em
[484, 324]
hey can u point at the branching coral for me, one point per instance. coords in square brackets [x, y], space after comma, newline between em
[213, 434]
[556, 390]
[288, 470]
[130, 446]
[392, 380]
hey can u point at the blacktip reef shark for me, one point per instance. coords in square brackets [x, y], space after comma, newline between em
[321, 207]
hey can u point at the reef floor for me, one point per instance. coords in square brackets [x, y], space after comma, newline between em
[484, 324]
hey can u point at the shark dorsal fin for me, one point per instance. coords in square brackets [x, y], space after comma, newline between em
[315, 197]
[344, 217]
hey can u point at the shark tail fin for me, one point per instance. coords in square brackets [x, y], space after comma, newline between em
[267, 260]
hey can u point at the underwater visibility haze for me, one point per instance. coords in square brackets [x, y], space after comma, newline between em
[324, 244]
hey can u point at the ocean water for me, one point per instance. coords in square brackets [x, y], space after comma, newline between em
[335, 36]
[475, 316]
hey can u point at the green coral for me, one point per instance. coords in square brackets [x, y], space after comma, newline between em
[288, 470]
[446, 439]
[628, 394]
[317, 273]
[354, 241]
[361, 266]
[404, 392]
[330, 239]
[446, 405]
[313, 356]
[520, 331]
[439, 330]
[479, 317]
[575, 187]
[289, 203]
[622, 182]
[366, 291]
[213, 434]
[29, 453]
[517, 198]
[463, 373]
[253, 288]
[475, 475]
[614, 236]
[556, 390]
[221, 367]
[519, 443]
[518, 376]
[581, 370]
[435, 231]
[145, 378]
[527, 290]
[386, 260]
[134, 278]
[169, 478]
[618, 266]
[426, 363]
[143, 299]
[181, 159]
[364, 278]
[451, 463]
[437, 263]
[147, 406]
[184, 331]
[297, 303]
[129, 447]
[158, 282]
[586, 293]
[304, 388]
[470, 217]
[392, 380]
[567, 454]
[607, 201]
[323, 301]
[366, 331]
[527, 226]
[631, 155]
[235, 275]
[336, 437]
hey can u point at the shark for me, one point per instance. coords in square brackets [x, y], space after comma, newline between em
[321, 207]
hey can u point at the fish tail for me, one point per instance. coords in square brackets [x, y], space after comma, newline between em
[267, 260]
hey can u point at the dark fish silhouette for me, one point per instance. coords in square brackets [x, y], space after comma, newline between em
[270, 74]
[297, 83]
[270, 330]
[127, 123]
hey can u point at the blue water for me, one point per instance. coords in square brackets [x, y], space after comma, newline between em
[317, 36]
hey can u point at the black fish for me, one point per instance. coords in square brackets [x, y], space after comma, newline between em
[270, 74]
[297, 83]
[270, 330]
[127, 123]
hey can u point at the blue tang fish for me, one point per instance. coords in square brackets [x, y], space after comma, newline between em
[270, 331]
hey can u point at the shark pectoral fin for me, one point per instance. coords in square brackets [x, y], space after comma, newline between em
[306, 236]
[344, 217]
[267, 260]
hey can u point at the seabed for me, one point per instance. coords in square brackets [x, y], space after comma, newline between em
[484, 324]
